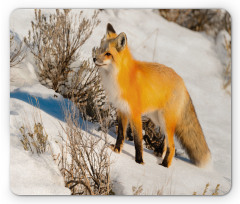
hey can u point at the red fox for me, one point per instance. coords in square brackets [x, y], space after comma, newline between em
[138, 88]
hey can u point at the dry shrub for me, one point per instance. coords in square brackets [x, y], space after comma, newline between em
[34, 140]
[33, 135]
[85, 162]
[17, 53]
[85, 90]
[209, 20]
[206, 190]
[227, 73]
[154, 139]
[55, 43]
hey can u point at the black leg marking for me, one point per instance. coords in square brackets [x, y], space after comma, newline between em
[120, 136]
[165, 161]
[138, 147]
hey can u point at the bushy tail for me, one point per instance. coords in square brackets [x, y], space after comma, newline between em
[190, 135]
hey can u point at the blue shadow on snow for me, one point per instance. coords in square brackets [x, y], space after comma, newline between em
[51, 106]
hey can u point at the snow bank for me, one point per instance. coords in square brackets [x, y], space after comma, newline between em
[32, 174]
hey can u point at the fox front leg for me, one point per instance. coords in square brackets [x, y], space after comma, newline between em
[122, 129]
[136, 125]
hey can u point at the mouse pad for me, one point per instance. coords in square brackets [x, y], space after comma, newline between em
[120, 102]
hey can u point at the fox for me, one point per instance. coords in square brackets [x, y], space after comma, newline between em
[137, 88]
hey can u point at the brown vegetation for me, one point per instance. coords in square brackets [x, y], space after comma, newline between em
[209, 20]
[17, 53]
[85, 162]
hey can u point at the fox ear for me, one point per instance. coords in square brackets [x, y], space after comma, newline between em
[121, 41]
[111, 33]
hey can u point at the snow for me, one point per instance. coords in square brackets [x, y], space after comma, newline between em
[31, 174]
[194, 56]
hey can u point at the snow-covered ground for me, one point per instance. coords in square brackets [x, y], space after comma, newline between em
[192, 55]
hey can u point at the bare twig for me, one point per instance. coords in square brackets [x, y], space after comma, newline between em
[17, 53]
[85, 165]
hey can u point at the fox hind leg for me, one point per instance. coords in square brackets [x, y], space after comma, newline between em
[161, 122]
[170, 151]
[164, 152]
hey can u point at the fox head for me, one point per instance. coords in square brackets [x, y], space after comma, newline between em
[111, 49]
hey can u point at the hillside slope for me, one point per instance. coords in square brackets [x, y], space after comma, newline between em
[192, 55]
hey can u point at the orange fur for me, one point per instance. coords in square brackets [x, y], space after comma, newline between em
[146, 88]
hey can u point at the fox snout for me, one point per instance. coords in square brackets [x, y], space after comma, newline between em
[98, 62]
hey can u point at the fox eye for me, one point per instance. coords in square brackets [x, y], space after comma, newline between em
[107, 54]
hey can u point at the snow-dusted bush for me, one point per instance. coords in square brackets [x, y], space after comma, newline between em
[55, 41]
[84, 89]
[212, 21]
[85, 162]
[153, 137]
[17, 53]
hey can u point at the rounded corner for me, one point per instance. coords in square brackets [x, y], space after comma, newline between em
[13, 192]
[228, 192]
[227, 11]
[13, 11]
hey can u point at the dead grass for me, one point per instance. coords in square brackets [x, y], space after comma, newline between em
[138, 190]
[34, 141]
[205, 191]
[33, 135]
[85, 162]
[166, 189]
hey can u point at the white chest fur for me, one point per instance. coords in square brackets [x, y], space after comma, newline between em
[110, 84]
